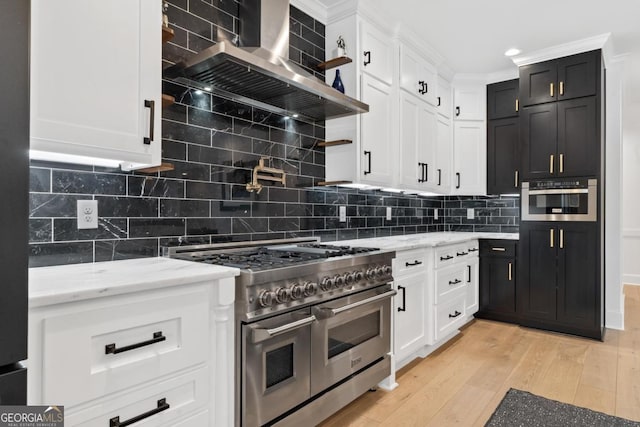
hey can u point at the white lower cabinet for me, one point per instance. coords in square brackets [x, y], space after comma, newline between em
[472, 285]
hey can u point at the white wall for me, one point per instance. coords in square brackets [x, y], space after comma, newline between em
[631, 171]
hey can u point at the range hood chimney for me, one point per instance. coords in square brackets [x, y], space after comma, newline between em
[259, 71]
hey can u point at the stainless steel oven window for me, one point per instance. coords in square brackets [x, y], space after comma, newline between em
[560, 204]
[279, 365]
[348, 335]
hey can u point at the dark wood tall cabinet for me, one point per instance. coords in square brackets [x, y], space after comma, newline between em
[498, 268]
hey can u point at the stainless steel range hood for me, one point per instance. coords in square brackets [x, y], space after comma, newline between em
[260, 73]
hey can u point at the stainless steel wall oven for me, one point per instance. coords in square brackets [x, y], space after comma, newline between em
[560, 200]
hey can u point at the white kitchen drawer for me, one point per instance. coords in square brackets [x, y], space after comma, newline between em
[78, 367]
[198, 420]
[449, 282]
[450, 316]
[445, 255]
[184, 394]
[409, 262]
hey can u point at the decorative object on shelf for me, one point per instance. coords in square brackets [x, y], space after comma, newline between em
[337, 82]
[165, 18]
[341, 50]
[254, 185]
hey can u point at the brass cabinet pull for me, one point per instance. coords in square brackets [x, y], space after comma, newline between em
[517, 104]
[510, 275]
[516, 179]
[551, 239]
[561, 238]
[561, 163]
[551, 90]
[551, 163]
[561, 88]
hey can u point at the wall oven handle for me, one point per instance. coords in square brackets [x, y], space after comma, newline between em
[261, 334]
[325, 312]
[560, 191]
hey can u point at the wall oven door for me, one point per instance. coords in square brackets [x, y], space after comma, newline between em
[574, 200]
[276, 365]
[350, 333]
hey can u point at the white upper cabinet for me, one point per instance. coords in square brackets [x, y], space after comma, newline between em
[470, 158]
[470, 101]
[376, 53]
[417, 76]
[444, 152]
[96, 82]
[443, 103]
[418, 143]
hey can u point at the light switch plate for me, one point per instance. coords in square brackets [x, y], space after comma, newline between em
[471, 213]
[388, 214]
[87, 214]
[343, 213]
[435, 214]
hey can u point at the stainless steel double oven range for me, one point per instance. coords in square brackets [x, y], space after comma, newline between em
[313, 325]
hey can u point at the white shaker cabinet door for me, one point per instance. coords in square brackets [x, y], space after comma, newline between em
[377, 53]
[96, 81]
[470, 158]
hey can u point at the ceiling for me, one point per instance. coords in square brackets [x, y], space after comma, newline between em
[473, 35]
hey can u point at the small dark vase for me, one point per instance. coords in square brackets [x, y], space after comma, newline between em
[337, 82]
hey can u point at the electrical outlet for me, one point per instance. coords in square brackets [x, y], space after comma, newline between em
[435, 214]
[471, 213]
[87, 214]
[343, 213]
[388, 214]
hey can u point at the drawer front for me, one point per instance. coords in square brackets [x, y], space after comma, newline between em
[409, 262]
[184, 395]
[198, 420]
[450, 316]
[92, 353]
[449, 281]
[468, 249]
[445, 256]
[500, 248]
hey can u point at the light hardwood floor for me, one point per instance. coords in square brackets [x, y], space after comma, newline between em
[463, 383]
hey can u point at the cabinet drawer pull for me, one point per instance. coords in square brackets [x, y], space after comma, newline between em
[152, 106]
[473, 250]
[411, 264]
[446, 258]
[462, 253]
[367, 58]
[404, 298]
[510, 272]
[498, 249]
[111, 348]
[456, 314]
[162, 406]
[455, 282]
[368, 153]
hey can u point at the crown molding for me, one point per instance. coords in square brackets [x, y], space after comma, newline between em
[313, 8]
[414, 41]
[500, 76]
[341, 10]
[584, 45]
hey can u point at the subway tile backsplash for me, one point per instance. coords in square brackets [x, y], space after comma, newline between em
[214, 143]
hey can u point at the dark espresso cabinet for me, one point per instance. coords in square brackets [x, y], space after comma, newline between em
[498, 280]
[502, 100]
[559, 279]
[570, 77]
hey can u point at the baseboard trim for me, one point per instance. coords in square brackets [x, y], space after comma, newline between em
[631, 279]
[615, 319]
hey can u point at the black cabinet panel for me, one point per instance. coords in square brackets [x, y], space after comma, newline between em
[578, 141]
[501, 99]
[13, 387]
[577, 75]
[538, 136]
[536, 285]
[503, 156]
[536, 82]
[578, 275]
[498, 291]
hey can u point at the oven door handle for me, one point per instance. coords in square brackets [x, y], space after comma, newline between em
[559, 191]
[326, 312]
[261, 334]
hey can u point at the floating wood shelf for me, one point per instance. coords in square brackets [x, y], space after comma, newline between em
[333, 63]
[330, 183]
[167, 100]
[167, 34]
[331, 143]
[164, 167]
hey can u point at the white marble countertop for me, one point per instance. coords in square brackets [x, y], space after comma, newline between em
[75, 282]
[422, 240]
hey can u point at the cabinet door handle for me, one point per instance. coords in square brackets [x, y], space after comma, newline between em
[456, 314]
[439, 102]
[162, 406]
[447, 258]
[368, 153]
[422, 89]
[517, 105]
[498, 249]
[152, 106]
[458, 178]
[516, 179]
[551, 163]
[112, 349]
[426, 172]
[551, 238]
[411, 264]
[469, 271]
[561, 168]
[367, 58]
[454, 282]
[457, 111]
[439, 176]
[551, 90]
[421, 166]
[404, 298]
[561, 238]
[561, 88]
[510, 275]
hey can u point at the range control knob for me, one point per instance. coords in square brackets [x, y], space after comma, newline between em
[350, 278]
[339, 281]
[266, 298]
[327, 283]
[359, 276]
[297, 291]
[282, 295]
[310, 288]
[380, 271]
[387, 269]
[371, 273]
